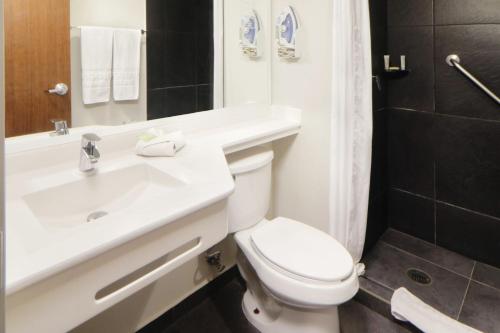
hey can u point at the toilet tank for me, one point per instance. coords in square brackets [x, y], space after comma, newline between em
[249, 203]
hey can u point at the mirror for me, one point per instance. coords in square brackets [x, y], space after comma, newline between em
[110, 78]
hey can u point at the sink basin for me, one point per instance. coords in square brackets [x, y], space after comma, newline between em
[97, 197]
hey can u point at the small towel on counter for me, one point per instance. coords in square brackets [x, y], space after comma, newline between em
[97, 59]
[156, 143]
[407, 307]
[126, 64]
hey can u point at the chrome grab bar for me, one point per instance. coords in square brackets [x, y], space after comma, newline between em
[454, 61]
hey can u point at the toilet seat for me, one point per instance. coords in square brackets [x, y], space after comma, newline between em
[293, 284]
[302, 251]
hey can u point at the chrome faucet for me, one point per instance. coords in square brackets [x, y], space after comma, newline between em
[60, 127]
[89, 154]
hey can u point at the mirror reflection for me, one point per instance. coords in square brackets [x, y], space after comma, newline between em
[91, 62]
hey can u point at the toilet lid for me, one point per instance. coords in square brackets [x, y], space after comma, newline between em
[303, 250]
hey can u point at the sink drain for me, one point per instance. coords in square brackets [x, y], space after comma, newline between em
[96, 215]
[419, 276]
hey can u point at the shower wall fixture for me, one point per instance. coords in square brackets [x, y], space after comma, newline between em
[443, 156]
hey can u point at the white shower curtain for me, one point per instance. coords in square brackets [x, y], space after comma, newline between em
[351, 127]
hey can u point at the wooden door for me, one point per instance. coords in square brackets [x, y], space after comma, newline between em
[37, 57]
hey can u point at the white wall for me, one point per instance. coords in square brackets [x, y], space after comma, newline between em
[301, 166]
[246, 80]
[115, 13]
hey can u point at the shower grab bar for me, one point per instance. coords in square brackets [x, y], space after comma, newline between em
[453, 60]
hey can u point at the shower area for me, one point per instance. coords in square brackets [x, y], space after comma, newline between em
[434, 211]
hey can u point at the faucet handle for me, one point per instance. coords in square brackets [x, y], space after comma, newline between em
[90, 138]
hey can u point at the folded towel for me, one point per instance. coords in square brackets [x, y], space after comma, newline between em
[407, 307]
[97, 58]
[126, 64]
[155, 143]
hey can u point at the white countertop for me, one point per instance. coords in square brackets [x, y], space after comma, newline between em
[38, 161]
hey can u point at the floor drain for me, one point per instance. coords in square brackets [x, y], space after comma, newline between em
[96, 215]
[419, 276]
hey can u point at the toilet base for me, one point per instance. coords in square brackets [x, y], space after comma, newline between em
[289, 319]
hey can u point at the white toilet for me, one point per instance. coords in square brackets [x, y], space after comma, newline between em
[296, 275]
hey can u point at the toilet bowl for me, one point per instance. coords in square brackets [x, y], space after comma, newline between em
[296, 275]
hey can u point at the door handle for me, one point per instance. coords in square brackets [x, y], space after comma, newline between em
[60, 89]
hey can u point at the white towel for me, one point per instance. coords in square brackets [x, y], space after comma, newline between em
[407, 307]
[155, 143]
[126, 64]
[97, 59]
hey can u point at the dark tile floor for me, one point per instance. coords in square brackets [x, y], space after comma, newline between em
[218, 310]
[461, 288]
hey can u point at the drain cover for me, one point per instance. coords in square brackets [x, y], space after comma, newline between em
[419, 276]
[96, 215]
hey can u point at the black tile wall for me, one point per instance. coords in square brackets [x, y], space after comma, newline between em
[378, 14]
[180, 15]
[378, 24]
[377, 212]
[180, 57]
[468, 233]
[169, 102]
[468, 163]
[442, 131]
[379, 48]
[204, 58]
[409, 12]
[377, 220]
[415, 91]
[411, 158]
[379, 154]
[412, 214]
[204, 97]
[467, 11]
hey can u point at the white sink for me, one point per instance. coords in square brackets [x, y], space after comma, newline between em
[60, 217]
[97, 197]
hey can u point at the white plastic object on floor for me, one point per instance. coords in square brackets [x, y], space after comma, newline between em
[407, 307]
